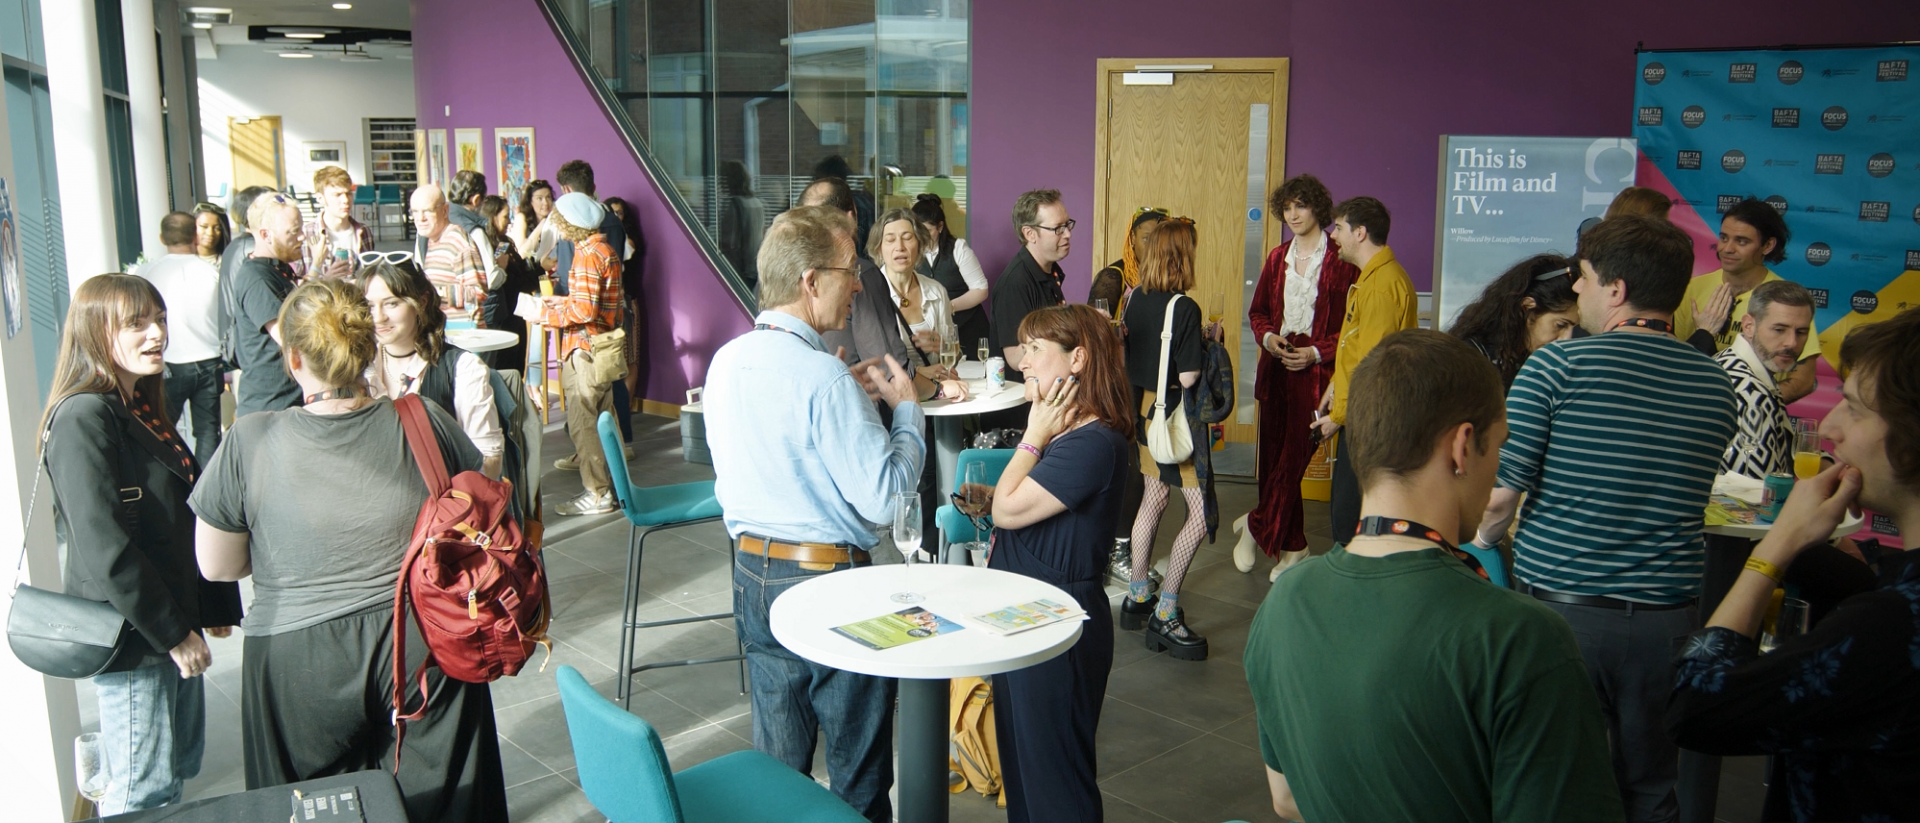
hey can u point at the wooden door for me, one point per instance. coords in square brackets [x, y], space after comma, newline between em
[1208, 146]
[258, 159]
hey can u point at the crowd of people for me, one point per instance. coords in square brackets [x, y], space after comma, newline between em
[1565, 433]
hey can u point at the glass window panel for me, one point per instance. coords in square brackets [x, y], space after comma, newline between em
[750, 127]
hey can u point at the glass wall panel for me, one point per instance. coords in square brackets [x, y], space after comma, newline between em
[740, 103]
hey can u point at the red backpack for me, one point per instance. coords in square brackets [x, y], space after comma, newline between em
[474, 582]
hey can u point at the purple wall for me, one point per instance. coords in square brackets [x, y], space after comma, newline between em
[498, 64]
[1372, 86]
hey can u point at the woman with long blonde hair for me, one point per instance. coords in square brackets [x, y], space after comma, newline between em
[120, 477]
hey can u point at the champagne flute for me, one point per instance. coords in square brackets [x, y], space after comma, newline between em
[90, 767]
[985, 350]
[906, 537]
[1100, 305]
[1216, 307]
[950, 354]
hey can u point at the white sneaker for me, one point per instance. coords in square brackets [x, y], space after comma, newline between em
[588, 503]
[1244, 551]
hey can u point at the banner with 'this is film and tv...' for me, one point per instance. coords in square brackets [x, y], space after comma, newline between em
[1829, 137]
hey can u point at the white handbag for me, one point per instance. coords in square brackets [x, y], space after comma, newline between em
[1169, 441]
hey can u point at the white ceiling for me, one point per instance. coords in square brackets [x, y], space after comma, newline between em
[371, 14]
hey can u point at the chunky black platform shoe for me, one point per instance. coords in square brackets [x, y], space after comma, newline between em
[1173, 637]
[1133, 615]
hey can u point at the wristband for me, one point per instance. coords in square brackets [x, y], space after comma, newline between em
[1029, 448]
[1772, 572]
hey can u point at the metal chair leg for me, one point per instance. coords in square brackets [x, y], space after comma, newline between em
[630, 623]
[629, 606]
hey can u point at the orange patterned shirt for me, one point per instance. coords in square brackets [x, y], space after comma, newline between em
[592, 304]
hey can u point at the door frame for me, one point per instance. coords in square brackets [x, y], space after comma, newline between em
[1106, 67]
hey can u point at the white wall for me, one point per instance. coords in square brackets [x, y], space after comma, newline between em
[316, 99]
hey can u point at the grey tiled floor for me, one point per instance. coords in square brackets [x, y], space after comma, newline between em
[1177, 740]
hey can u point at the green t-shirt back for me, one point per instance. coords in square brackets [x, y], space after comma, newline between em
[1407, 688]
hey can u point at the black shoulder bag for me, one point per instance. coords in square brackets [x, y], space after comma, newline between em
[58, 634]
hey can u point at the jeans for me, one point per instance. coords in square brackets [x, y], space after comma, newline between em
[198, 384]
[1629, 656]
[794, 697]
[153, 728]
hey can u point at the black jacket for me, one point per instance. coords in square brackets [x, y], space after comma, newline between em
[120, 506]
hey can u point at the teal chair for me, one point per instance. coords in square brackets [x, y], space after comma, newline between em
[954, 526]
[626, 776]
[650, 509]
[1490, 560]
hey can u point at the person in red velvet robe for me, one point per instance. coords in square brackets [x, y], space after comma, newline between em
[1305, 274]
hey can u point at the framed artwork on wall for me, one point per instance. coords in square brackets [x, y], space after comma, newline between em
[466, 151]
[437, 157]
[514, 161]
[420, 166]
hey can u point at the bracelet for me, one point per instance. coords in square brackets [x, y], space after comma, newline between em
[1774, 573]
[1029, 448]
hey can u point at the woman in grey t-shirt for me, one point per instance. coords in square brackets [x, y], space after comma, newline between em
[318, 504]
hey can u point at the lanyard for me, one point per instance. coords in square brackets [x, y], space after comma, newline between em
[771, 327]
[1378, 526]
[1661, 326]
[341, 393]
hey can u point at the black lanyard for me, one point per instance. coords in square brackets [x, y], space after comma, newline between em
[1660, 326]
[772, 327]
[341, 393]
[1396, 527]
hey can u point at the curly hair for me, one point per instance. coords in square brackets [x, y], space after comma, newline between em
[1886, 356]
[1307, 190]
[1501, 324]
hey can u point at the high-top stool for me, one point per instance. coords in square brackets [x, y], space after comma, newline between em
[650, 509]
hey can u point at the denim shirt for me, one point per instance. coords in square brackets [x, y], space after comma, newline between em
[799, 452]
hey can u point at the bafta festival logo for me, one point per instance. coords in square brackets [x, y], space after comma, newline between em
[1875, 211]
[1819, 298]
[1652, 116]
[1829, 164]
[1687, 160]
[1913, 259]
[1891, 71]
[1726, 202]
[1786, 118]
[1742, 72]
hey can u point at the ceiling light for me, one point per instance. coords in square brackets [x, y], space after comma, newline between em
[343, 6]
[203, 25]
[305, 35]
[207, 10]
[297, 55]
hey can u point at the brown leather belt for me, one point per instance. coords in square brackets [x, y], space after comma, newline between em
[821, 553]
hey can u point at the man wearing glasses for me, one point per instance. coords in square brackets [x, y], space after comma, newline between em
[1032, 281]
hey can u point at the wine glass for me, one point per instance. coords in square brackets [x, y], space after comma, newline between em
[985, 350]
[1216, 307]
[950, 354]
[90, 767]
[1100, 305]
[906, 537]
[976, 491]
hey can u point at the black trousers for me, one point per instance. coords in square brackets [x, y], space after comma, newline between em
[317, 702]
[196, 385]
[1044, 720]
[1344, 507]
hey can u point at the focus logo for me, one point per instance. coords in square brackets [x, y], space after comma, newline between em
[1829, 164]
[1819, 298]
[1891, 71]
[1786, 118]
[1778, 203]
[1653, 74]
[1865, 301]
[1728, 201]
[1742, 72]
[1880, 165]
[1818, 254]
[1733, 161]
[1687, 160]
[1652, 115]
[1791, 72]
[1875, 211]
[1693, 116]
[1834, 118]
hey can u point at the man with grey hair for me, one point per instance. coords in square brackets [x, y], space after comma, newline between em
[802, 466]
[1032, 280]
[1773, 333]
[445, 253]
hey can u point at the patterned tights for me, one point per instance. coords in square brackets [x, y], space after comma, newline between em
[1153, 502]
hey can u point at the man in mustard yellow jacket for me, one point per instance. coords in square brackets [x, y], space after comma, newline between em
[1380, 303]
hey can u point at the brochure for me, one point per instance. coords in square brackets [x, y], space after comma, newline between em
[1727, 510]
[898, 629]
[1015, 619]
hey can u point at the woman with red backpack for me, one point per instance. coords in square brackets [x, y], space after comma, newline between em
[318, 503]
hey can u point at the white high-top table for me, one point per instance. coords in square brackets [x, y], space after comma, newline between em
[803, 618]
[949, 420]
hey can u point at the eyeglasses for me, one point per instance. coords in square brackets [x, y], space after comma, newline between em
[852, 272]
[1060, 229]
[368, 258]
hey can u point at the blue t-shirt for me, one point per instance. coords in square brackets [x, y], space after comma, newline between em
[1086, 470]
[1616, 438]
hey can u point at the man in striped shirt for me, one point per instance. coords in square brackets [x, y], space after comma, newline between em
[1615, 440]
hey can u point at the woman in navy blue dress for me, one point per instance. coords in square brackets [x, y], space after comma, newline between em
[1055, 507]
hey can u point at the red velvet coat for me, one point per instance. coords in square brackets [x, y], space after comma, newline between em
[1287, 398]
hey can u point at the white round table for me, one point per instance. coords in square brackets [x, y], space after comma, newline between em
[482, 340]
[803, 618]
[1738, 487]
[949, 420]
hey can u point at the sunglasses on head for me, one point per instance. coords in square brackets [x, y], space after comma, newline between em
[368, 258]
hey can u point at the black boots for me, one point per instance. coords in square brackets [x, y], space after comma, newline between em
[1173, 637]
[1133, 614]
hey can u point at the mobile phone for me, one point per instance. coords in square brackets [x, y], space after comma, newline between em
[1313, 429]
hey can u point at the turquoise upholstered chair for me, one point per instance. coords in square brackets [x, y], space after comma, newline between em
[956, 527]
[625, 773]
[649, 509]
[1490, 560]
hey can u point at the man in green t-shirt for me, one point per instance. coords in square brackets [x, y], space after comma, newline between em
[1390, 679]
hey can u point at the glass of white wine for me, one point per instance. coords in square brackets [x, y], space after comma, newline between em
[906, 537]
[950, 354]
[985, 351]
[90, 767]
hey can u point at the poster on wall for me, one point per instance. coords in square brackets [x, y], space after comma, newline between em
[419, 152]
[1504, 199]
[466, 150]
[1829, 137]
[437, 157]
[513, 158]
[12, 290]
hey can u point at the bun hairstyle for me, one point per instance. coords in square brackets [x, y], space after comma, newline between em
[929, 208]
[328, 322]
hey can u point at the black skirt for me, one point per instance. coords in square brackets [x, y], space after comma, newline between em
[317, 702]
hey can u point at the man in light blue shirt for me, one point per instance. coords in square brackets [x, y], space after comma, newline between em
[803, 466]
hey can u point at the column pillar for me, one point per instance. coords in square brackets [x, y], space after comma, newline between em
[149, 138]
[81, 154]
[183, 110]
